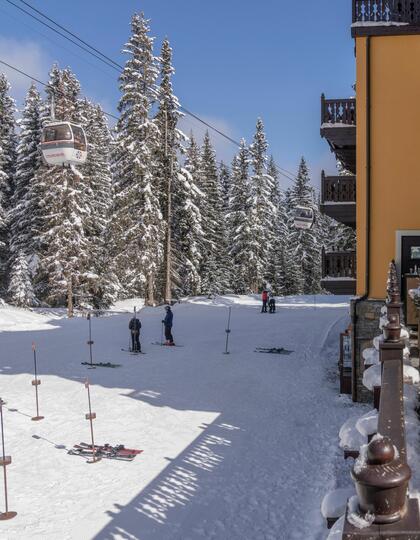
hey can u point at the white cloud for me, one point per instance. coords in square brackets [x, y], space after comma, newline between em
[27, 56]
[224, 149]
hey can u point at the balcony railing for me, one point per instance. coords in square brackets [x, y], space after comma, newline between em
[338, 189]
[386, 11]
[339, 264]
[338, 111]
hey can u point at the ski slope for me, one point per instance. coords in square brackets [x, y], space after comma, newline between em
[236, 447]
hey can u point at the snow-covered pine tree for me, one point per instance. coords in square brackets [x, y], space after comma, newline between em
[100, 282]
[62, 239]
[187, 225]
[25, 204]
[293, 279]
[261, 211]
[170, 180]
[239, 232]
[275, 274]
[305, 245]
[7, 170]
[224, 181]
[138, 227]
[214, 273]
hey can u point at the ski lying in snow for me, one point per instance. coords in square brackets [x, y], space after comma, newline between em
[101, 364]
[164, 344]
[273, 350]
[106, 451]
[133, 352]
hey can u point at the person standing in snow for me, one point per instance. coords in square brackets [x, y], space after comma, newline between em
[264, 298]
[134, 326]
[271, 303]
[168, 322]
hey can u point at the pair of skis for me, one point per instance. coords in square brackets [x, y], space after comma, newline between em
[101, 364]
[273, 350]
[165, 344]
[131, 351]
[106, 451]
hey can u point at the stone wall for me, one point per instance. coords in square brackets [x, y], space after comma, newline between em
[366, 326]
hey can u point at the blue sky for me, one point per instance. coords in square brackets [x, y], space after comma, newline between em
[235, 60]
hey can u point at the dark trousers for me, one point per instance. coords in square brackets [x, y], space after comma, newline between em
[272, 307]
[135, 341]
[168, 334]
[264, 307]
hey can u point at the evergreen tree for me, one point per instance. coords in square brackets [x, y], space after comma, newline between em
[63, 244]
[213, 270]
[101, 285]
[304, 243]
[239, 232]
[7, 170]
[187, 222]
[275, 274]
[261, 211]
[224, 182]
[138, 227]
[24, 202]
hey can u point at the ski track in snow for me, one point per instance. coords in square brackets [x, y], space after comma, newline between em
[237, 447]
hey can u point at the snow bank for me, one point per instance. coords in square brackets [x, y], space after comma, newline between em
[368, 423]
[411, 375]
[335, 502]
[350, 436]
[13, 319]
[371, 356]
[372, 377]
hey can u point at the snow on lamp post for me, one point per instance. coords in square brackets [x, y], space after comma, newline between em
[36, 382]
[5, 461]
[91, 416]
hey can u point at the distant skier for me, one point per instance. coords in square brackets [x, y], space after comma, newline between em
[134, 326]
[168, 322]
[272, 304]
[264, 298]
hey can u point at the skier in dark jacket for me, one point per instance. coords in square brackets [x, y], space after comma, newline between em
[271, 304]
[264, 298]
[134, 327]
[168, 322]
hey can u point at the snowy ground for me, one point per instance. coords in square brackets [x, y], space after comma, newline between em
[238, 447]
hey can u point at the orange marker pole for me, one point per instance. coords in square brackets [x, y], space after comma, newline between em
[4, 461]
[36, 382]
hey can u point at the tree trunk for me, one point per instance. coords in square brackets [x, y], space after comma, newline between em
[70, 311]
[151, 290]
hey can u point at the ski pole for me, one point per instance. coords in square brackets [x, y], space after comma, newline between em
[4, 461]
[91, 416]
[90, 342]
[161, 335]
[228, 332]
[36, 382]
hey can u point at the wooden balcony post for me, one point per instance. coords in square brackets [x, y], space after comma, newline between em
[323, 187]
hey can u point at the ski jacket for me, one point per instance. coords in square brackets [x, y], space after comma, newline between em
[134, 325]
[168, 319]
[264, 296]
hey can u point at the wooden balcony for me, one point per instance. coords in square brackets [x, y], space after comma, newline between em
[339, 272]
[385, 17]
[338, 198]
[338, 127]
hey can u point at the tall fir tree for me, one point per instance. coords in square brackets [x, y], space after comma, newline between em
[187, 223]
[261, 211]
[275, 274]
[138, 226]
[25, 204]
[7, 170]
[239, 231]
[304, 242]
[214, 273]
[62, 239]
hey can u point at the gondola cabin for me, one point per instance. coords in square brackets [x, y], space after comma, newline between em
[63, 143]
[304, 217]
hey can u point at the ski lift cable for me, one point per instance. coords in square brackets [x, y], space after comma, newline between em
[106, 60]
[116, 66]
[110, 115]
[54, 42]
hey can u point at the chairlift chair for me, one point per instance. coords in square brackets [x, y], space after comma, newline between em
[304, 217]
[63, 143]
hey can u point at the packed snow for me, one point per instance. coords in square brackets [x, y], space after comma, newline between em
[235, 446]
